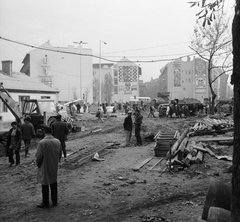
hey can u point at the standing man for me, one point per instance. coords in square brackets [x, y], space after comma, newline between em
[28, 133]
[138, 123]
[78, 107]
[47, 158]
[128, 124]
[14, 143]
[60, 131]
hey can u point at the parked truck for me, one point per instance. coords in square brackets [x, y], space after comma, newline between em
[41, 111]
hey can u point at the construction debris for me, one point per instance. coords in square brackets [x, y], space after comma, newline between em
[191, 146]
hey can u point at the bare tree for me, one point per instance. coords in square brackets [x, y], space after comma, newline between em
[209, 8]
[108, 88]
[86, 94]
[96, 89]
[213, 44]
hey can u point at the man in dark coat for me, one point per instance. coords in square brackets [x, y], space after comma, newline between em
[60, 131]
[128, 125]
[14, 143]
[138, 123]
[28, 133]
[47, 158]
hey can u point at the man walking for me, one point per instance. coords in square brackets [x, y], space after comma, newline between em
[28, 133]
[47, 158]
[128, 124]
[151, 113]
[138, 123]
[60, 131]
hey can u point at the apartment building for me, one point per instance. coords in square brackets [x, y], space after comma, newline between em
[69, 69]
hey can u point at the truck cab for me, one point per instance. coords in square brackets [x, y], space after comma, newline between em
[41, 111]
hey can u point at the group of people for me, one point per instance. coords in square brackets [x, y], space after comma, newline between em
[128, 126]
[16, 134]
[48, 154]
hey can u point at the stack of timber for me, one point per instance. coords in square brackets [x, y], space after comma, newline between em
[211, 122]
[186, 150]
[163, 142]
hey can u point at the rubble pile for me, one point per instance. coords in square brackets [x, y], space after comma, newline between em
[196, 141]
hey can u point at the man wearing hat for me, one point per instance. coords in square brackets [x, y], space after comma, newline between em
[128, 124]
[28, 133]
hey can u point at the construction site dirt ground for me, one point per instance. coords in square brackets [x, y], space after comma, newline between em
[110, 190]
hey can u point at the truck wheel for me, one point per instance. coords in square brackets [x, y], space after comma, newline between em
[51, 120]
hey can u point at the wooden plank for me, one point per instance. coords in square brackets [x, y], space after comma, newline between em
[210, 152]
[199, 148]
[188, 158]
[199, 157]
[136, 168]
[215, 139]
[156, 164]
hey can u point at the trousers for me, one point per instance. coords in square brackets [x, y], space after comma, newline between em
[27, 145]
[45, 194]
[128, 137]
[10, 156]
[137, 134]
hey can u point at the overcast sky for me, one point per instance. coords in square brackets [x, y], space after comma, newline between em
[141, 30]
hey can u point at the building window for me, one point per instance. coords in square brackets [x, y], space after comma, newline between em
[115, 72]
[115, 89]
[189, 80]
[46, 59]
[3, 107]
[115, 81]
[21, 99]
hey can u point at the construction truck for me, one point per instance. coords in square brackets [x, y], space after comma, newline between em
[41, 111]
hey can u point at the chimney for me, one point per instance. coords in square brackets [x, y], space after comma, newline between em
[7, 67]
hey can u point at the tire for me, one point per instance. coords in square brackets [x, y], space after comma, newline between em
[51, 120]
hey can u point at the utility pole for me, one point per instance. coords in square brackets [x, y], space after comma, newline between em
[100, 82]
[80, 43]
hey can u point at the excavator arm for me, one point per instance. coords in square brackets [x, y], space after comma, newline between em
[11, 104]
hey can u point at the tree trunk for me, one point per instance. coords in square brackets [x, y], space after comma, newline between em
[210, 83]
[235, 205]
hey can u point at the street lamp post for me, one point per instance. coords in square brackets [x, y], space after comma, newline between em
[80, 43]
[100, 87]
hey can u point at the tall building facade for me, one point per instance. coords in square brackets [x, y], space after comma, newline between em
[124, 78]
[64, 68]
[189, 79]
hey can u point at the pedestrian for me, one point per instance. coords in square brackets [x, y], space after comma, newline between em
[47, 158]
[128, 125]
[84, 108]
[14, 143]
[60, 131]
[78, 107]
[160, 111]
[151, 113]
[28, 133]
[138, 123]
[99, 115]
[104, 108]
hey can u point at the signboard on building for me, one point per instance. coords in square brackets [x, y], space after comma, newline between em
[200, 76]
[128, 78]
[177, 73]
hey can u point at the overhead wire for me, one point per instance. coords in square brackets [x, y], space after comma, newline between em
[90, 55]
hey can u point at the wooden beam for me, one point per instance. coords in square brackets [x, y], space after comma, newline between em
[136, 168]
[156, 164]
[214, 139]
